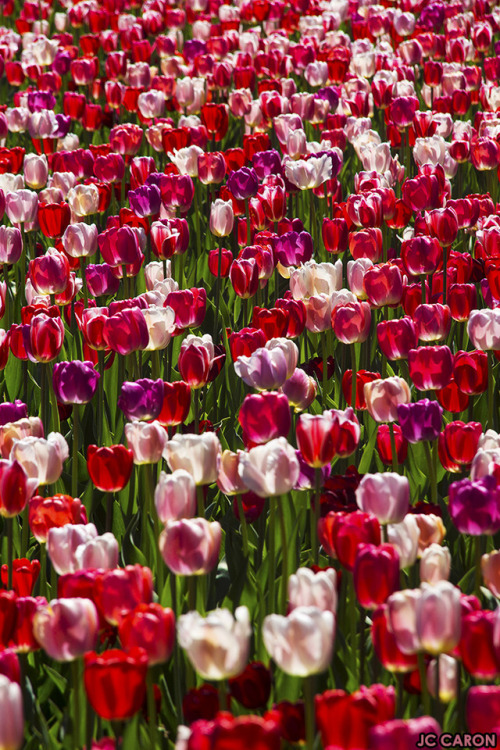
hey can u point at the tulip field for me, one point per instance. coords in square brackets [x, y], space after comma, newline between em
[249, 374]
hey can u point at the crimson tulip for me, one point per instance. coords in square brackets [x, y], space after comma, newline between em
[43, 337]
[384, 444]
[376, 574]
[109, 467]
[263, 417]
[476, 646]
[461, 441]
[176, 403]
[386, 647]
[397, 337]
[431, 367]
[341, 534]
[252, 687]
[470, 371]
[151, 627]
[24, 575]
[115, 682]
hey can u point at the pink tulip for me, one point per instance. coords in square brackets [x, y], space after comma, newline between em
[11, 714]
[67, 628]
[175, 496]
[147, 440]
[63, 542]
[41, 458]
[384, 396]
[386, 496]
[402, 617]
[439, 617]
[197, 454]
[271, 469]
[190, 546]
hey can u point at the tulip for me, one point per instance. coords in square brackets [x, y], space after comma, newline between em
[420, 420]
[383, 285]
[435, 564]
[384, 446]
[74, 382]
[175, 496]
[151, 627]
[387, 496]
[109, 467]
[490, 566]
[12, 411]
[12, 715]
[385, 645]
[141, 399]
[221, 218]
[229, 481]
[115, 682]
[190, 546]
[218, 645]
[477, 648]
[271, 469]
[43, 337]
[384, 396]
[45, 513]
[351, 322]
[264, 416]
[300, 389]
[197, 454]
[311, 173]
[147, 441]
[41, 459]
[195, 360]
[448, 669]
[402, 618]
[404, 537]
[63, 542]
[16, 487]
[470, 371]
[66, 628]
[342, 533]
[252, 687]
[176, 403]
[396, 337]
[475, 506]
[118, 591]
[309, 589]
[398, 734]
[376, 574]
[11, 245]
[438, 617]
[421, 255]
[301, 644]
[461, 441]
[430, 367]
[432, 322]
[316, 438]
[21, 206]
[484, 329]
[24, 576]
[482, 708]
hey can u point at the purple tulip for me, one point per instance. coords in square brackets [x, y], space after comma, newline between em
[74, 382]
[12, 411]
[142, 399]
[421, 420]
[266, 163]
[63, 125]
[145, 201]
[307, 476]
[293, 248]
[243, 183]
[330, 94]
[101, 280]
[475, 506]
[39, 100]
[402, 735]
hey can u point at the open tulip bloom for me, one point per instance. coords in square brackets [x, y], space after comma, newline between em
[249, 374]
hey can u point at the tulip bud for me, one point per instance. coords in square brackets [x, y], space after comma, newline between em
[387, 496]
[435, 564]
[282, 636]
[438, 617]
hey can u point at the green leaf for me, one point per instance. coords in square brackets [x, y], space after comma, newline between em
[59, 681]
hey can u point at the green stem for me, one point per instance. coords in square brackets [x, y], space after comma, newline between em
[432, 471]
[243, 526]
[100, 396]
[177, 672]
[362, 646]
[315, 515]
[222, 695]
[423, 684]
[83, 264]
[309, 708]
[152, 716]
[445, 261]
[74, 466]
[394, 452]
[43, 569]
[354, 366]
[272, 554]
[399, 695]
[284, 555]
[478, 544]
[54, 411]
[109, 511]
[200, 500]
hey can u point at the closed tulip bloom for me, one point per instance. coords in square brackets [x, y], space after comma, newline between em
[41, 458]
[438, 617]
[80, 240]
[271, 469]
[301, 644]
[115, 682]
[443, 224]
[397, 337]
[118, 591]
[83, 200]
[126, 331]
[11, 714]
[448, 668]
[402, 617]
[376, 574]
[217, 645]
[490, 567]
[264, 369]
[383, 285]
[264, 416]
[404, 537]
[43, 337]
[484, 329]
[141, 399]
[402, 735]
[11, 245]
[309, 589]
[175, 496]
[478, 647]
[229, 480]
[483, 708]
[386, 495]
[475, 506]
[310, 173]
[147, 441]
[431, 367]
[195, 360]
[421, 255]
[100, 552]
[49, 273]
[432, 322]
[36, 170]
[221, 218]
[190, 546]
[58, 510]
[161, 325]
[461, 441]
[470, 371]
[63, 542]
[384, 396]
[74, 382]
[66, 628]
[300, 389]
[197, 454]
[421, 420]
[386, 647]
[341, 533]
[316, 438]
[21, 206]
[109, 467]
[435, 564]
[151, 627]
[351, 322]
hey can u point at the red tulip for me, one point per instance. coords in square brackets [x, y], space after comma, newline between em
[52, 512]
[431, 367]
[476, 647]
[383, 285]
[461, 440]
[470, 371]
[376, 574]
[483, 709]
[252, 687]
[245, 342]
[43, 337]
[215, 117]
[24, 575]
[421, 255]
[443, 224]
[200, 703]
[342, 533]
[362, 377]
[384, 444]
[115, 682]
[273, 322]
[386, 647]
[176, 403]
[151, 627]
[366, 243]
[432, 322]
[452, 398]
[244, 276]
[263, 417]
[109, 467]
[335, 235]
[8, 614]
[351, 322]
[53, 218]
[120, 590]
[462, 299]
[397, 337]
